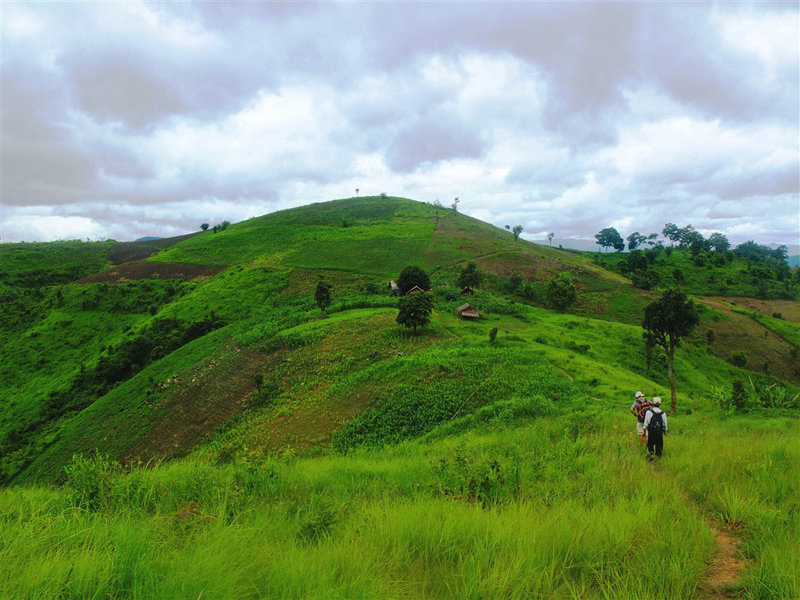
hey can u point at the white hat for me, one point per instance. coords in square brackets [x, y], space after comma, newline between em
[656, 400]
[638, 395]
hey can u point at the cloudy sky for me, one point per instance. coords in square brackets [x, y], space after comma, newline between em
[127, 119]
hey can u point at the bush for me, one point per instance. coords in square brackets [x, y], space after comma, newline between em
[561, 293]
[645, 280]
[91, 480]
[739, 358]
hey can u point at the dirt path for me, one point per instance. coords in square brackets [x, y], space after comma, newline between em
[726, 567]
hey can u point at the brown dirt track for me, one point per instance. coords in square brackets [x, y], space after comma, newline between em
[140, 269]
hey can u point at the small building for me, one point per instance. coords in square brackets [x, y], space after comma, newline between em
[467, 291]
[414, 290]
[465, 311]
[393, 286]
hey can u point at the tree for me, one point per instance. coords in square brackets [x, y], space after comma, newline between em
[610, 237]
[719, 242]
[651, 239]
[323, 296]
[671, 232]
[560, 292]
[411, 276]
[666, 321]
[516, 230]
[204, 226]
[635, 240]
[415, 310]
[357, 190]
[454, 205]
[471, 276]
[550, 237]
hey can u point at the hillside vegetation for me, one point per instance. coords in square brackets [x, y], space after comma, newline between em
[192, 424]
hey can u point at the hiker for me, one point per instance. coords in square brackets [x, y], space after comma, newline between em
[638, 408]
[655, 425]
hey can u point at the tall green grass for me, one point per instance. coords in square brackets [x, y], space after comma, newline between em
[573, 512]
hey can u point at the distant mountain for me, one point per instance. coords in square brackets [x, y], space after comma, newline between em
[147, 239]
[794, 261]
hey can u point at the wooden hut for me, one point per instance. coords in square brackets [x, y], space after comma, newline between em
[414, 290]
[465, 311]
[467, 291]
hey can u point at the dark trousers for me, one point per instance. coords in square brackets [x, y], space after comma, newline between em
[655, 443]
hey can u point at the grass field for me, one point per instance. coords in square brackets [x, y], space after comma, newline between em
[558, 507]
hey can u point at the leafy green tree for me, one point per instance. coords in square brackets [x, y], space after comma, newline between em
[666, 321]
[411, 276]
[516, 230]
[610, 238]
[322, 296]
[672, 232]
[204, 226]
[635, 240]
[719, 242]
[560, 292]
[550, 237]
[470, 276]
[415, 310]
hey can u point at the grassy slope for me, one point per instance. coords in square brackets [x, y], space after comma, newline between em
[510, 493]
[560, 507]
[267, 250]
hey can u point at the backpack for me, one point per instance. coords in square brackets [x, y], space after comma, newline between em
[643, 407]
[656, 424]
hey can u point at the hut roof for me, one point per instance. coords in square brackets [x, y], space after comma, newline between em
[414, 289]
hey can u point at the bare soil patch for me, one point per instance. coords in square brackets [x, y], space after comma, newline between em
[198, 401]
[789, 309]
[140, 269]
[740, 332]
[127, 251]
[725, 570]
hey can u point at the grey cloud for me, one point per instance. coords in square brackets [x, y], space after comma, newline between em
[432, 138]
[39, 162]
[112, 89]
[772, 183]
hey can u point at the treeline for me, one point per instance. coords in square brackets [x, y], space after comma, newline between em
[748, 269]
[117, 364]
[24, 306]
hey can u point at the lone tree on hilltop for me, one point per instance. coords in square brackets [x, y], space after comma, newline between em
[516, 231]
[322, 296]
[415, 310]
[610, 238]
[666, 321]
[560, 292]
[204, 226]
[411, 276]
[471, 276]
[550, 237]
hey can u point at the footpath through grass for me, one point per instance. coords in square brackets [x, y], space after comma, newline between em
[562, 507]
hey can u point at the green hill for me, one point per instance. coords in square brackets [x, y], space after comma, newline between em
[336, 437]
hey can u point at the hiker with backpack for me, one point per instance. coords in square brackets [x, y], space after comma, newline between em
[638, 409]
[655, 426]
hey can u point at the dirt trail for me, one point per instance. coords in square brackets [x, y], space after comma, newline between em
[726, 568]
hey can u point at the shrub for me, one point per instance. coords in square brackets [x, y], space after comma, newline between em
[739, 358]
[561, 293]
